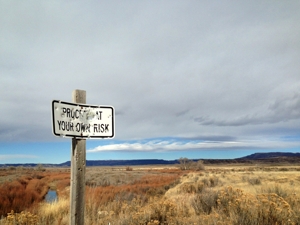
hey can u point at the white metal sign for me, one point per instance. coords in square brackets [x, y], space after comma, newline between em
[82, 121]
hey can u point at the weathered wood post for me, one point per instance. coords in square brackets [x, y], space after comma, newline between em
[78, 163]
[80, 121]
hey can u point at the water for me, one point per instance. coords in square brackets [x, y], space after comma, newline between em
[51, 196]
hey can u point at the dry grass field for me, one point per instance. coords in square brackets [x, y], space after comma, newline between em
[220, 194]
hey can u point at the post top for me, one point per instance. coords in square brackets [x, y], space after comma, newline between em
[79, 96]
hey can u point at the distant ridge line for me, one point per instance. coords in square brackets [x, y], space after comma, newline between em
[269, 155]
[130, 162]
[263, 157]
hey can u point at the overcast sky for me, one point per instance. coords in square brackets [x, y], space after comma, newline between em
[196, 79]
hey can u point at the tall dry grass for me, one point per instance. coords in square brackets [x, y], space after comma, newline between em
[223, 195]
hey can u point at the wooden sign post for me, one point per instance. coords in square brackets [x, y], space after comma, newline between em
[79, 121]
[78, 161]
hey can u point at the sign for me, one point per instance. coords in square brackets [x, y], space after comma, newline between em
[82, 121]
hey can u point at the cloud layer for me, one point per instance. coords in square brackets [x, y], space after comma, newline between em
[283, 109]
[179, 69]
[16, 156]
[181, 145]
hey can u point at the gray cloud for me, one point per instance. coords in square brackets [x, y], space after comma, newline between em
[211, 138]
[167, 67]
[284, 109]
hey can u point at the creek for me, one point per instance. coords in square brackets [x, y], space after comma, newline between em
[51, 196]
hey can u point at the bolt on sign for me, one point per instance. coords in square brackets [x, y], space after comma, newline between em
[82, 121]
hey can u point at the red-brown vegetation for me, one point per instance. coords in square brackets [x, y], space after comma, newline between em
[219, 195]
[21, 194]
[24, 191]
[146, 187]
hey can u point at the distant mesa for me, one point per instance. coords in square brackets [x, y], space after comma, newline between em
[270, 155]
[267, 157]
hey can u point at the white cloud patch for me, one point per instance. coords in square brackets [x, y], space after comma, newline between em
[164, 146]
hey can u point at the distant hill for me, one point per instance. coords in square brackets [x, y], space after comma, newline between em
[133, 162]
[270, 155]
[264, 157]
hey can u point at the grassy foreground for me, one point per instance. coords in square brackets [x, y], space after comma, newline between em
[248, 195]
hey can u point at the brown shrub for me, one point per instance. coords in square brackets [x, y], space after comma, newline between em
[14, 196]
[146, 187]
[205, 202]
[199, 186]
[254, 181]
[249, 209]
[21, 194]
[128, 168]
